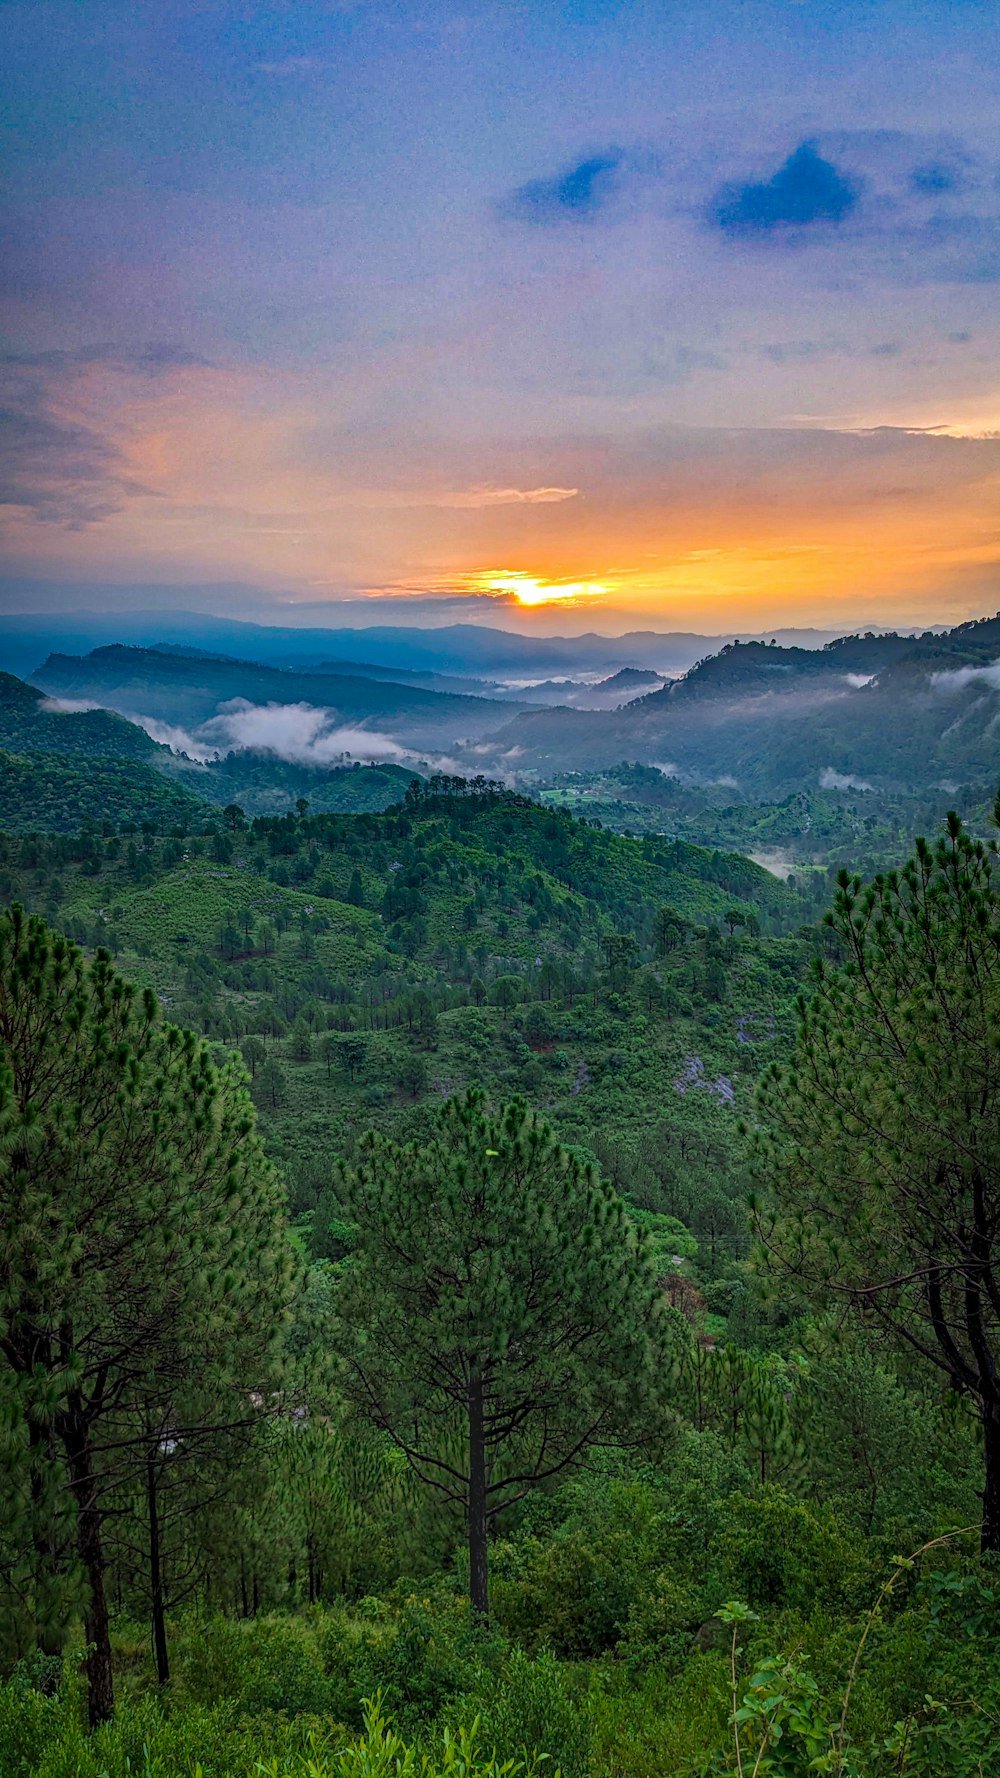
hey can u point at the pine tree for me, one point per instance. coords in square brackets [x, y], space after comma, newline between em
[881, 1149]
[501, 1314]
[141, 1231]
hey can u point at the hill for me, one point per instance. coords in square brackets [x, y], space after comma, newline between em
[188, 691]
[263, 784]
[898, 715]
[63, 793]
[31, 722]
[803, 831]
[368, 963]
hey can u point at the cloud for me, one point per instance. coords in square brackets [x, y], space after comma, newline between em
[62, 472]
[68, 706]
[957, 678]
[156, 356]
[301, 734]
[474, 498]
[805, 191]
[55, 464]
[575, 195]
[831, 780]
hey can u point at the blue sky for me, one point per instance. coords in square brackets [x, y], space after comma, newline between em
[353, 299]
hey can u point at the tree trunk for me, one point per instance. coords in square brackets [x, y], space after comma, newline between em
[50, 1634]
[478, 1590]
[990, 1536]
[160, 1653]
[100, 1677]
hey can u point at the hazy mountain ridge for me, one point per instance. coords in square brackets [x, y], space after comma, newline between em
[358, 633]
[185, 689]
[901, 713]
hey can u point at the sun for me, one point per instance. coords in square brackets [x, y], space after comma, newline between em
[530, 589]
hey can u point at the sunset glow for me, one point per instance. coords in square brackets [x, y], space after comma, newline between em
[668, 360]
[528, 589]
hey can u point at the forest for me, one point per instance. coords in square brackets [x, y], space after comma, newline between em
[484, 1293]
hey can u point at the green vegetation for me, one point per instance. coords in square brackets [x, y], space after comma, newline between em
[264, 785]
[806, 833]
[32, 723]
[499, 1300]
[144, 1267]
[64, 793]
[506, 1451]
[885, 1186]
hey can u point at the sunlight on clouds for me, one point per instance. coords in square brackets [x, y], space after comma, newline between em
[529, 590]
[473, 499]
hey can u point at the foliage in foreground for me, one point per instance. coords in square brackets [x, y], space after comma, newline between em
[908, 1688]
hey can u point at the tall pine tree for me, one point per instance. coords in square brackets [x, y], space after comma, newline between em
[881, 1140]
[141, 1240]
[501, 1313]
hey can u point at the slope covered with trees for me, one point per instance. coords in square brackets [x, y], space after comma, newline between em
[66, 792]
[401, 1335]
[898, 714]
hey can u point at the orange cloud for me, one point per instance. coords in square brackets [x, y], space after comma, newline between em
[276, 479]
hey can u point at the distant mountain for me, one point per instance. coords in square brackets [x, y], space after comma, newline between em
[901, 713]
[186, 691]
[629, 679]
[483, 650]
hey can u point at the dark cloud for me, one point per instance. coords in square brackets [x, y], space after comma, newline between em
[578, 193]
[805, 191]
[61, 471]
[935, 178]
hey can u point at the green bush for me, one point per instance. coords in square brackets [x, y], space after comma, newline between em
[431, 1655]
[532, 1703]
[44, 1737]
[776, 1551]
[263, 1665]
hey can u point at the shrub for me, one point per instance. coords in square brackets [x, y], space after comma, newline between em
[776, 1551]
[432, 1655]
[532, 1704]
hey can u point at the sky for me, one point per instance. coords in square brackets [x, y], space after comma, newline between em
[586, 313]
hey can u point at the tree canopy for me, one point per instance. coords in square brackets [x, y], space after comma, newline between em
[882, 1137]
[142, 1245]
[501, 1313]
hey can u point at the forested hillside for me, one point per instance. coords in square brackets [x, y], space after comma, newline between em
[480, 1317]
[898, 715]
[807, 831]
[30, 722]
[67, 792]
